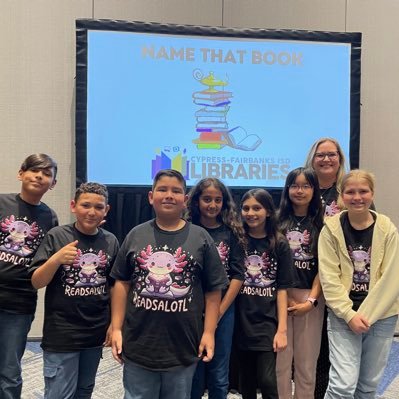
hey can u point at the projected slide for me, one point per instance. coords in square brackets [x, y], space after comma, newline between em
[243, 110]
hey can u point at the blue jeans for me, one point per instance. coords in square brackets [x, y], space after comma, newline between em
[70, 375]
[215, 374]
[14, 330]
[357, 360]
[140, 383]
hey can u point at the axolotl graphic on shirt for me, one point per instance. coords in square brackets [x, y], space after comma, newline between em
[164, 280]
[361, 258]
[224, 252]
[260, 275]
[87, 274]
[299, 241]
[18, 239]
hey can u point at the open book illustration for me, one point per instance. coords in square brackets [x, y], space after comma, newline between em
[239, 138]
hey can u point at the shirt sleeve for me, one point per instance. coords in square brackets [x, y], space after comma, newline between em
[113, 254]
[43, 253]
[285, 273]
[123, 266]
[236, 260]
[55, 218]
[214, 273]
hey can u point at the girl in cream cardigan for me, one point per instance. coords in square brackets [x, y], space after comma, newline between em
[358, 268]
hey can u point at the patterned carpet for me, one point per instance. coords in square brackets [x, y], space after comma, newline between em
[109, 376]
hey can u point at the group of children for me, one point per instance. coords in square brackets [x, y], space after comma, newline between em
[195, 282]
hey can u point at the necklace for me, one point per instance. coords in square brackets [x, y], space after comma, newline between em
[299, 219]
[324, 193]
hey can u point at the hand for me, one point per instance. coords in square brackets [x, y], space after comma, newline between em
[291, 302]
[67, 254]
[108, 336]
[206, 347]
[117, 345]
[359, 324]
[279, 341]
[300, 309]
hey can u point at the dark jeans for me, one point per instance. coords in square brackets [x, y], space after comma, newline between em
[14, 330]
[257, 370]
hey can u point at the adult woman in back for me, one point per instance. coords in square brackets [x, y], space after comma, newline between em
[328, 161]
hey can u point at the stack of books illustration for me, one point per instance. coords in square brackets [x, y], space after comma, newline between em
[211, 118]
[212, 125]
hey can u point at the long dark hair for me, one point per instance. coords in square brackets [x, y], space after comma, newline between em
[228, 214]
[271, 225]
[315, 209]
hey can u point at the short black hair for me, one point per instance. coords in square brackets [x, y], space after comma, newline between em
[169, 173]
[92, 188]
[39, 161]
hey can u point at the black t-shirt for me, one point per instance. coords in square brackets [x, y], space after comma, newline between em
[358, 244]
[266, 272]
[231, 253]
[77, 299]
[305, 263]
[22, 228]
[169, 272]
[329, 199]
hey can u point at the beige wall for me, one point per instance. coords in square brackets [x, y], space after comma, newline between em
[37, 69]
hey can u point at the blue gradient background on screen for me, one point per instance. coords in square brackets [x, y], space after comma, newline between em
[137, 106]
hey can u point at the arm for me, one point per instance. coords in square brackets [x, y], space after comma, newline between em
[118, 311]
[111, 284]
[280, 339]
[228, 299]
[108, 334]
[236, 272]
[300, 309]
[330, 274]
[44, 274]
[385, 292]
[207, 344]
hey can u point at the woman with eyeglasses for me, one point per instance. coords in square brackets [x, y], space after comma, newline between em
[301, 219]
[327, 159]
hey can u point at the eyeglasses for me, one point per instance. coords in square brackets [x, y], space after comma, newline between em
[330, 155]
[296, 187]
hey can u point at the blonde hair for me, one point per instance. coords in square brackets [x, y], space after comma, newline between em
[342, 162]
[356, 174]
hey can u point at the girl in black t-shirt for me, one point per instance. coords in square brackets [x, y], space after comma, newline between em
[261, 322]
[301, 219]
[211, 206]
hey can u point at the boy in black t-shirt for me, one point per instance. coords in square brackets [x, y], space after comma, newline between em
[168, 273]
[24, 220]
[74, 262]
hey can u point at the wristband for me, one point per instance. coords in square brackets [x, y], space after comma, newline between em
[313, 301]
